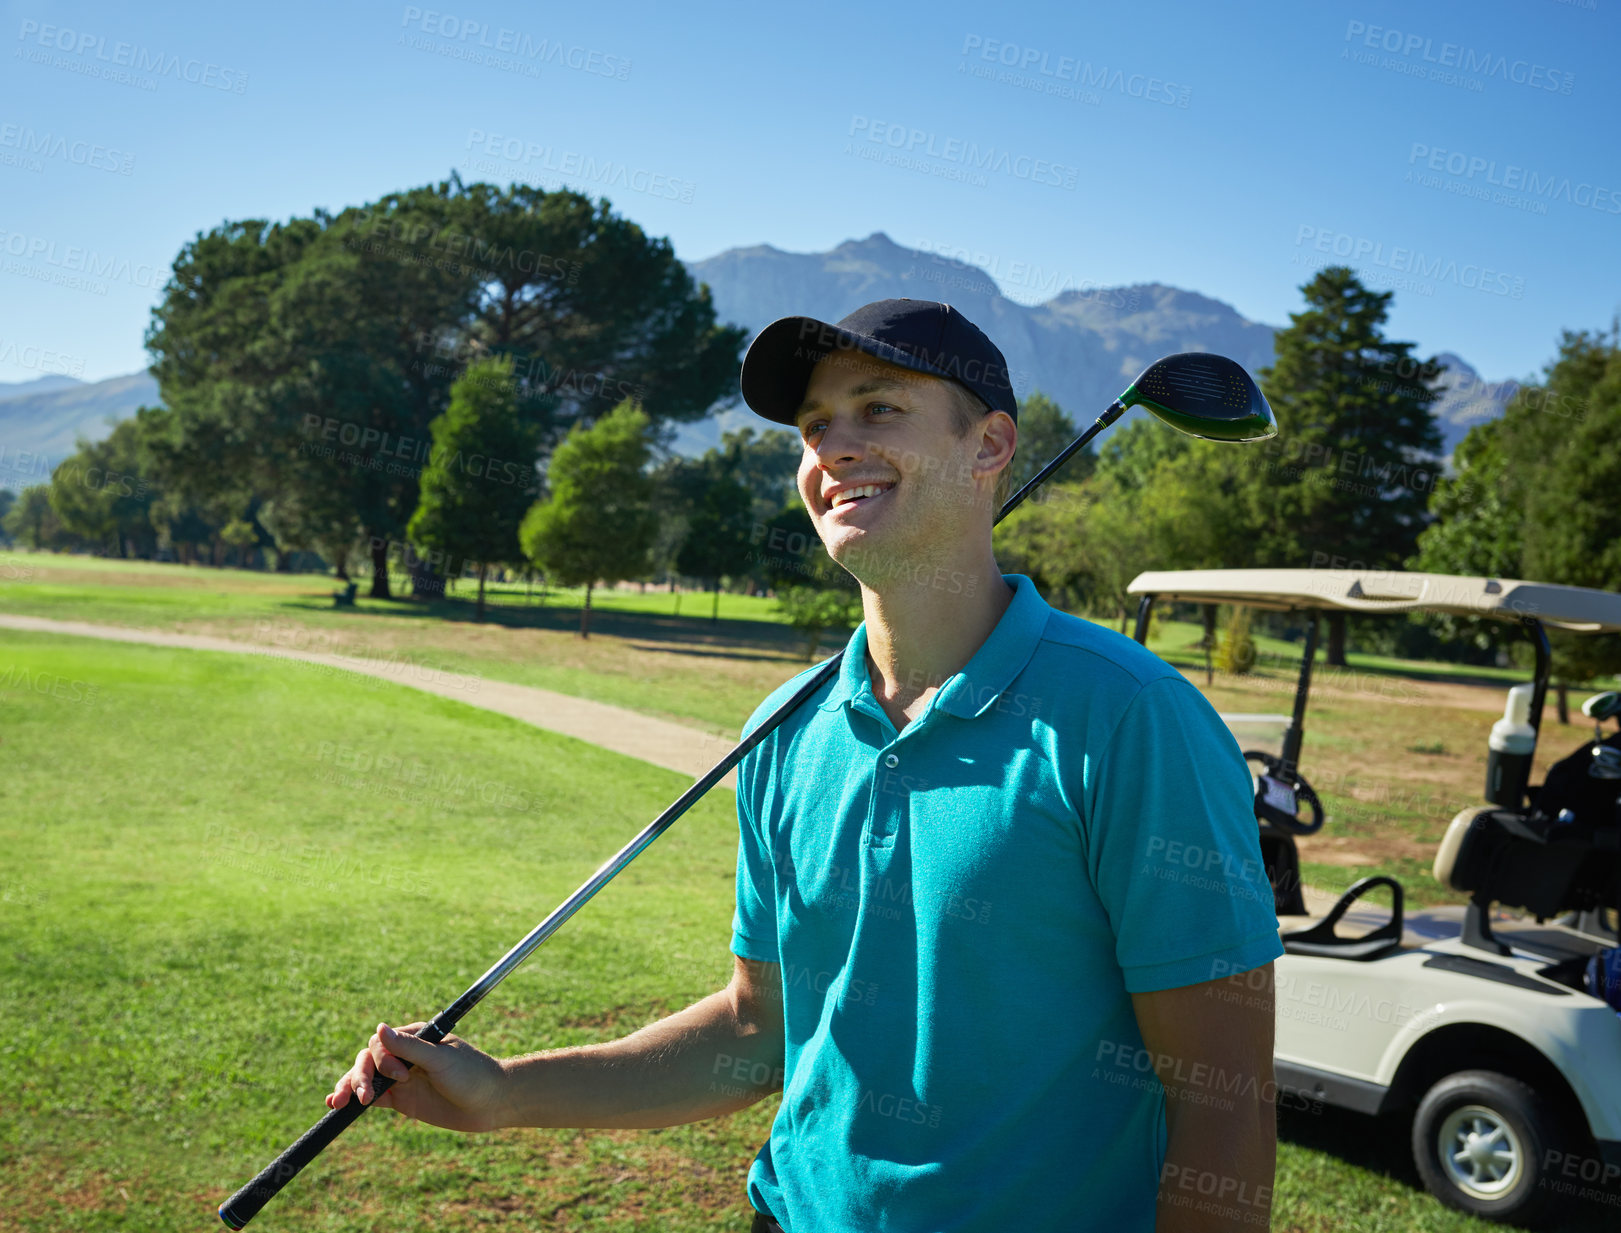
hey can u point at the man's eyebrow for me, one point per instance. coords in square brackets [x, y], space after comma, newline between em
[874, 385]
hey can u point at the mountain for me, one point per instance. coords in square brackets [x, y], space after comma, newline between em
[1080, 347]
[1469, 399]
[40, 420]
[39, 385]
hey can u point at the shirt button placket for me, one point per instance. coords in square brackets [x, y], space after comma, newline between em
[889, 802]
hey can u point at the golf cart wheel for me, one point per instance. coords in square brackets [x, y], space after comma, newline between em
[1480, 1140]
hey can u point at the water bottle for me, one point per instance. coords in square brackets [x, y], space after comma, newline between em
[1513, 740]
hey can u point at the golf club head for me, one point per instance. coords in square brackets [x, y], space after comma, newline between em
[1606, 762]
[1204, 395]
[1603, 706]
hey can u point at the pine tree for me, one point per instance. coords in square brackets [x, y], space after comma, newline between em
[480, 478]
[1347, 480]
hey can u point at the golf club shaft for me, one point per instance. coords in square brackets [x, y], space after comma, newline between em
[246, 1202]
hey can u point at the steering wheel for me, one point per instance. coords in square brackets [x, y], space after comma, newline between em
[1280, 791]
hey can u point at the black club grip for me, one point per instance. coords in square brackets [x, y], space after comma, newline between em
[244, 1205]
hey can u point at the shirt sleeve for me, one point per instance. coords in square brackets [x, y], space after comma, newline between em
[1173, 845]
[754, 919]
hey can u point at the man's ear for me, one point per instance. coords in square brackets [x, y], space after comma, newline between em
[997, 437]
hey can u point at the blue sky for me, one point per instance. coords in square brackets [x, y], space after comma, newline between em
[1463, 155]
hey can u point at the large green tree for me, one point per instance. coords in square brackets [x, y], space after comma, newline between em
[480, 479]
[1573, 531]
[1347, 480]
[598, 523]
[594, 310]
[307, 359]
[1532, 496]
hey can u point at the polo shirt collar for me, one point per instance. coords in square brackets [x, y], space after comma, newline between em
[973, 691]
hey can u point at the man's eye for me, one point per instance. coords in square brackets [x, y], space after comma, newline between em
[876, 407]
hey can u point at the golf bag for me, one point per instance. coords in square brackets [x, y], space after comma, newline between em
[1604, 976]
[1595, 803]
[1563, 854]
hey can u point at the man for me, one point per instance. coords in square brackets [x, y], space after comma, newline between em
[989, 877]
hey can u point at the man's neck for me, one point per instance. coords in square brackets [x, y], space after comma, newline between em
[923, 630]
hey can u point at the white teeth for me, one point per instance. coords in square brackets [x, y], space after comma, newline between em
[860, 490]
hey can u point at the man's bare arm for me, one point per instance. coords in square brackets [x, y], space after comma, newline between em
[716, 1056]
[1212, 1049]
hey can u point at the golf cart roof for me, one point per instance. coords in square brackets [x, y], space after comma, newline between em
[1578, 609]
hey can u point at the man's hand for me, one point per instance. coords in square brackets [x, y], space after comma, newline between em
[451, 1084]
[718, 1055]
[1211, 1045]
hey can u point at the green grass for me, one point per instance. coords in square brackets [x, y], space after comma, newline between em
[148, 590]
[1177, 642]
[204, 914]
[209, 899]
[709, 675]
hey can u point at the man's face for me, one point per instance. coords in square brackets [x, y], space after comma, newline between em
[885, 477]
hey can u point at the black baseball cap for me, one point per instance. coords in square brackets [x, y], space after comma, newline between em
[923, 335]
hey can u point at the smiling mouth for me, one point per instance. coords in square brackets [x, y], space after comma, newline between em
[860, 494]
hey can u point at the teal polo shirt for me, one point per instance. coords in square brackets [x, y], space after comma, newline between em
[961, 912]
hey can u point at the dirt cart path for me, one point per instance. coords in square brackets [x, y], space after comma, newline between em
[672, 746]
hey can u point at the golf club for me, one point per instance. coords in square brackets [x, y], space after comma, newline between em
[1204, 395]
[1600, 707]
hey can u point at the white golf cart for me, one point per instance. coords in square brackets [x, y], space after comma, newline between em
[1480, 1023]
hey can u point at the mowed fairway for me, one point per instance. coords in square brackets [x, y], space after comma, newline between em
[205, 911]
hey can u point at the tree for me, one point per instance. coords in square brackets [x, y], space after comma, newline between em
[766, 462]
[7, 500]
[480, 479]
[1081, 546]
[32, 521]
[1573, 517]
[598, 523]
[1155, 500]
[814, 610]
[1358, 443]
[1044, 430]
[715, 514]
[594, 310]
[306, 360]
[1532, 497]
[100, 496]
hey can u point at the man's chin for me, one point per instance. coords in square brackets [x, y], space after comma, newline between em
[864, 557]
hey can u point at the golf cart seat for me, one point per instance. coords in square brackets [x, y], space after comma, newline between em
[1320, 938]
[1524, 860]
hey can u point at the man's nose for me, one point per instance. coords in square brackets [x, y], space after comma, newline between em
[841, 441]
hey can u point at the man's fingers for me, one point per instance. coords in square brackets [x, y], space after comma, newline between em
[365, 1070]
[391, 1045]
[378, 1058]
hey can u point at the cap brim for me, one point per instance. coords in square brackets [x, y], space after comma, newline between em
[777, 366]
